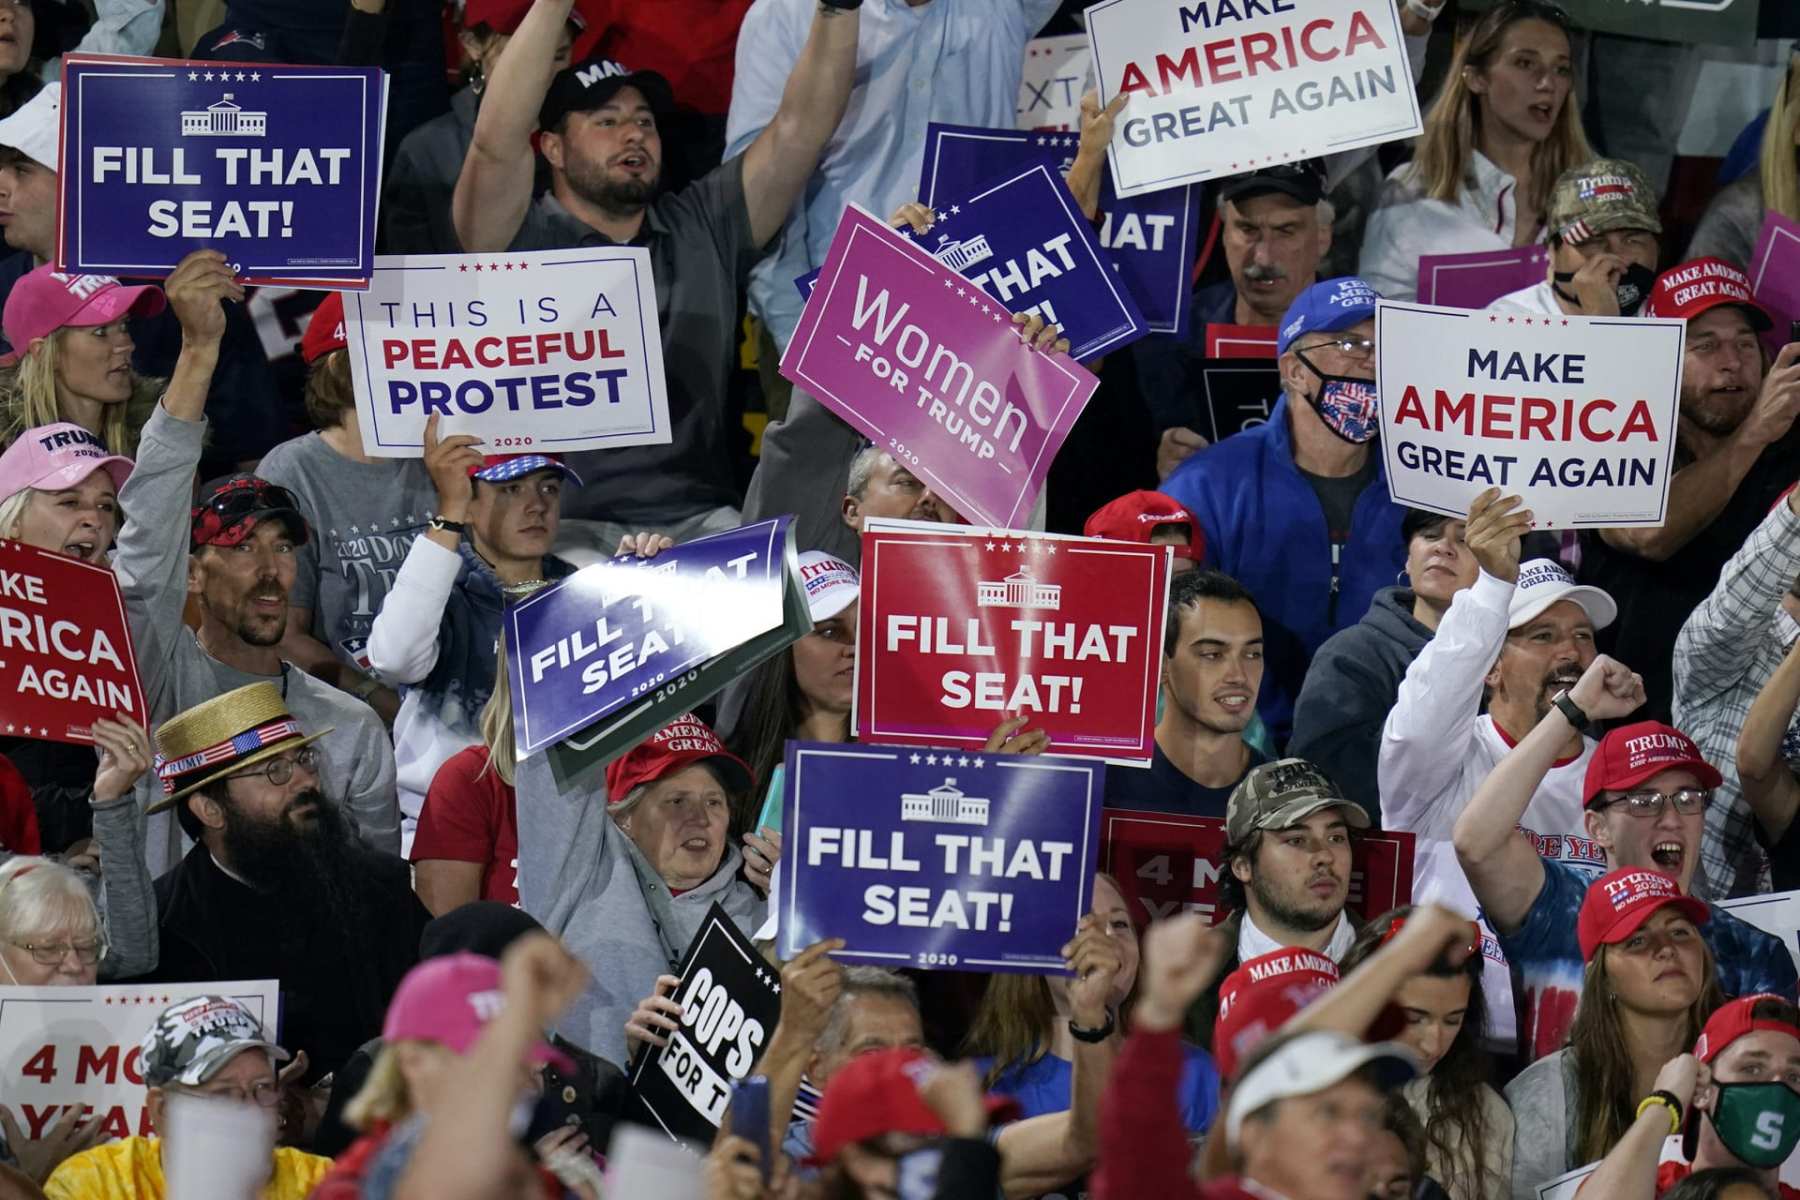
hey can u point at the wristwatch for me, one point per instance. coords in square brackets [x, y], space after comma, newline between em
[445, 525]
[1094, 1035]
[1580, 720]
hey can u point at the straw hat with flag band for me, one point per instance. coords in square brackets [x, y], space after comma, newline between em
[222, 736]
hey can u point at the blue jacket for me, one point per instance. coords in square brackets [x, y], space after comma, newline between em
[1266, 528]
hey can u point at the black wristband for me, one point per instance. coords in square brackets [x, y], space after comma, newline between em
[841, 5]
[1580, 720]
[1094, 1035]
[447, 525]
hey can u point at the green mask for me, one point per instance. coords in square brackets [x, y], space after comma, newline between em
[1758, 1122]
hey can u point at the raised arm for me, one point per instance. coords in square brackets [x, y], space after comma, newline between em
[783, 156]
[1699, 492]
[1721, 637]
[810, 984]
[1431, 933]
[1044, 1153]
[1090, 155]
[494, 189]
[1503, 868]
[1628, 1172]
[1769, 786]
[127, 898]
[1439, 699]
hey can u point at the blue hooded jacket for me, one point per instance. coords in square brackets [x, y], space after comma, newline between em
[1266, 528]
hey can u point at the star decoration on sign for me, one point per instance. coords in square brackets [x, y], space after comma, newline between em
[931, 760]
[209, 76]
[255, 76]
[949, 283]
[240, 77]
[193, 76]
[962, 760]
[915, 759]
[978, 764]
[955, 208]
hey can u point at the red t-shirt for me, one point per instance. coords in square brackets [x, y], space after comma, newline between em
[691, 43]
[1671, 1173]
[18, 816]
[470, 816]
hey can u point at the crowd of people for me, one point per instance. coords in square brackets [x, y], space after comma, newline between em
[1592, 738]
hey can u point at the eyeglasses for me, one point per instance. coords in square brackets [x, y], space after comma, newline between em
[281, 769]
[1687, 801]
[48, 956]
[266, 1094]
[1358, 347]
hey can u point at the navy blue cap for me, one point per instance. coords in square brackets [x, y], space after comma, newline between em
[1327, 307]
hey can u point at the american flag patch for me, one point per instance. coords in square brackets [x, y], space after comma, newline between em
[248, 742]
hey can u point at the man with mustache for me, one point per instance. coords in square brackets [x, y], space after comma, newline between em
[232, 551]
[1286, 872]
[275, 886]
[1520, 635]
[599, 127]
[1736, 451]
[1275, 226]
[1644, 794]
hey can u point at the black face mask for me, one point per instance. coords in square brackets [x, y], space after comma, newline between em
[1632, 289]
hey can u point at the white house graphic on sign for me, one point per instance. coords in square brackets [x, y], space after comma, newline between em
[960, 256]
[1018, 590]
[224, 118]
[945, 803]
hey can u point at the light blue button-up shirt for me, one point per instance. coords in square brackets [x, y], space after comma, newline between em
[951, 61]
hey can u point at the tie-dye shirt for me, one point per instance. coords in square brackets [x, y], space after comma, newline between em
[1546, 955]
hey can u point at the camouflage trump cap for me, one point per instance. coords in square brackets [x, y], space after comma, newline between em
[1599, 197]
[192, 1040]
[1281, 794]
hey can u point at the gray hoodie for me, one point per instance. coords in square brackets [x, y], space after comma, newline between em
[588, 883]
[1351, 685]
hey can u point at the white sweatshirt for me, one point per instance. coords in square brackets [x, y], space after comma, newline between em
[1406, 225]
[1436, 748]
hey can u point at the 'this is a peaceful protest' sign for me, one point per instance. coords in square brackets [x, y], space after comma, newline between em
[1220, 86]
[276, 166]
[1574, 414]
[932, 370]
[66, 646]
[730, 1000]
[942, 859]
[552, 350]
[961, 627]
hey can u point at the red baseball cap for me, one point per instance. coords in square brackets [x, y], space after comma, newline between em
[447, 1000]
[1619, 901]
[1133, 516]
[46, 300]
[1733, 1019]
[1258, 998]
[1633, 753]
[878, 1093]
[1700, 284]
[325, 331]
[683, 742]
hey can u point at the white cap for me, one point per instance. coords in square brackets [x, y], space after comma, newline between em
[35, 128]
[1312, 1062]
[1543, 582]
[832, 584]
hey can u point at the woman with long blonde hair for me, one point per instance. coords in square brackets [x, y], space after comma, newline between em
[74, 357]
[1648, 987]
[1734, 219]
[1502, 129]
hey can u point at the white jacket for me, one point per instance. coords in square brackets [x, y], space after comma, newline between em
[1406, 226]
[1436, 748]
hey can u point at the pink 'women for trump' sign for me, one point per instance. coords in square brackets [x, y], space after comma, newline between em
[933, 371]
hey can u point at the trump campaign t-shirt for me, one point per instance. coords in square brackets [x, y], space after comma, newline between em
[1546, 953]
[470, 815]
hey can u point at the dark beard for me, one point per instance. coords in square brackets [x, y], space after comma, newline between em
[590, 182]
[1307, 920]
[316, 866]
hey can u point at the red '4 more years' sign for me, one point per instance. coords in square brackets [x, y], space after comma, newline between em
[961, 627]
[1167, 864]
[65, 651]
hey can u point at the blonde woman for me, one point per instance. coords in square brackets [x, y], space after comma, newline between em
[1734, 219]
[74, 356]
[1502, 129]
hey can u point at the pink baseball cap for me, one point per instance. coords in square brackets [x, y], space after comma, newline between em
[448, 1000]
[53, 457]
[46, 300]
